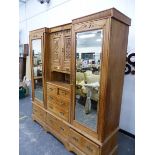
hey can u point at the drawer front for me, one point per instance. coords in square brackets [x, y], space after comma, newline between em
[39, 112]
[57, 125]
[51, 121]
[63, 129]
[58, 101]
[64, 93]
[83, 143]
[58, 111]
[51, 89]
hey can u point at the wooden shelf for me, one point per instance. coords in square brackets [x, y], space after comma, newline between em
[62, 84]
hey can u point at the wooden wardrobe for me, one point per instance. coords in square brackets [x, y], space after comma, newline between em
[77, 80]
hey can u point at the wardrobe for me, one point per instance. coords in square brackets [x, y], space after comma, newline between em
[77, 80]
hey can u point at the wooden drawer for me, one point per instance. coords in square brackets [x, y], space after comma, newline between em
[57, 125]
[58, 101]
[51, 89]
[63, 93]
[40, 113]
[83, 143]
[58, 111]
[51, 121]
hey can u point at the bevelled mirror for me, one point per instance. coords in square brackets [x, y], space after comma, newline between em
[88, 66]
[37, 69]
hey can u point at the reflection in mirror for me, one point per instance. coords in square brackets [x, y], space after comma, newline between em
[37, 69]
[37, 58]
[88, 59]
[38, 89]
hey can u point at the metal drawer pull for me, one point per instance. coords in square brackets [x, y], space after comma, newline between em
[62, 128]
[51, 89]
[75, 139]
[89, 148]
[61, 103]
[63, 92]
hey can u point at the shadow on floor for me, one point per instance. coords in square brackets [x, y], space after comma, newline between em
[33, 140]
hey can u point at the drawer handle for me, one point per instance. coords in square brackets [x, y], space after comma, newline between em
[51, 97]
[75, 139]
[61, 103]
[62, 113]
[89, 148]
[61, 128]
[51, 89]
[63, 92]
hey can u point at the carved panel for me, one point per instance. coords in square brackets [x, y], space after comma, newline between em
[67, 47]
[95, 24]
[55, 53]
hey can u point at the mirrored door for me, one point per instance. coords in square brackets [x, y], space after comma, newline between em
[88, 68]
[37, 69]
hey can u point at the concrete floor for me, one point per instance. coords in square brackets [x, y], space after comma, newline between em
[33, 140]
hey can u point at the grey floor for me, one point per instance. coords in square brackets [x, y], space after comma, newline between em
[33, 140]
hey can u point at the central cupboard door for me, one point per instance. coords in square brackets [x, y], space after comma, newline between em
[56, 42]
[61, 50]
[88, 78]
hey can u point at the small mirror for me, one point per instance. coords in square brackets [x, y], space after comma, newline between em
[88, 60]
[37, 57]
[37, 69]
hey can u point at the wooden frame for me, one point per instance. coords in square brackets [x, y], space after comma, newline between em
[34, 35]
[83, 27]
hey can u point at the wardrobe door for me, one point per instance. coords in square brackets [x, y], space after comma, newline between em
[37, 70]
[66, 51]
[88, 54]
[56, 50]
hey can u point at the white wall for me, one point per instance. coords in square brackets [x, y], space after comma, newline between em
[34, 15]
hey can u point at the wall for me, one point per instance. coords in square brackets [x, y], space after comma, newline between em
[34, 15]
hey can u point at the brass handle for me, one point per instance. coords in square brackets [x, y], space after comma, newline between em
[51, 89]
[61, 103]
[51, 97]
[75, 139]
[61, 128]
[63, 92]
[89, 148]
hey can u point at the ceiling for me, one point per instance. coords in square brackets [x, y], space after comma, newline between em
[89, 39]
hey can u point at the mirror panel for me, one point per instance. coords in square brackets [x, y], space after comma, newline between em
[37, 69]
[88, 60]
[38, 89]
[37, 57]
